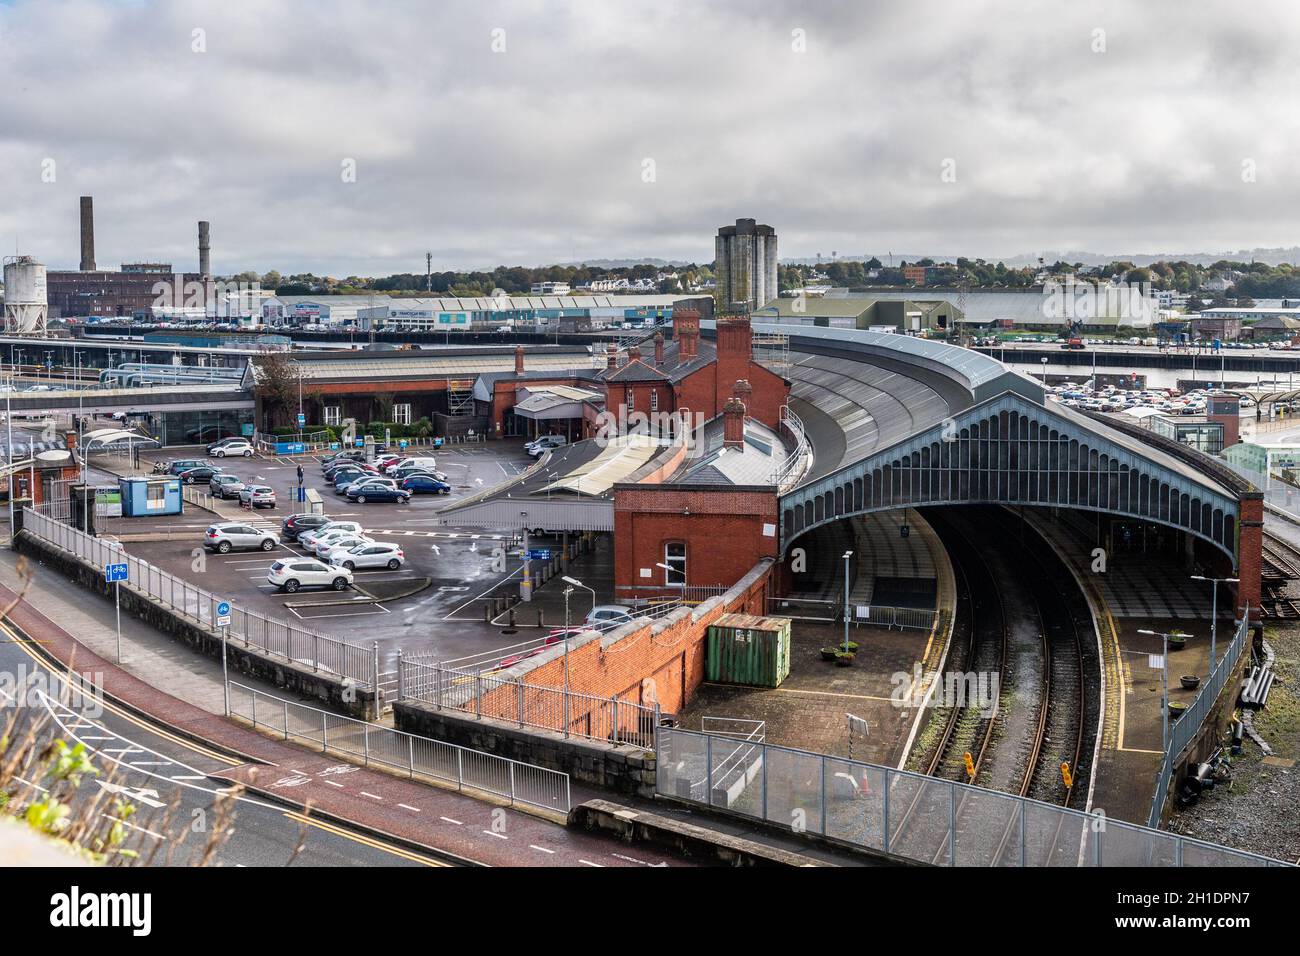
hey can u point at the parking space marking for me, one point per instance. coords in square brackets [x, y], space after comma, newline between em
[371, 612]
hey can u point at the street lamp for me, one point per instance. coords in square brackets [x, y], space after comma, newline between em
[578, 584]
[847, 555]
[1164, 680]
[1214, 612]
[1044, 361]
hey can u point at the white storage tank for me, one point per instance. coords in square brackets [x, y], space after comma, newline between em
[26, 306]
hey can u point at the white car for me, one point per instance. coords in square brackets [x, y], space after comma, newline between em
[544, 444]
[294, 573]
[235, 446]
[308, 539]
[606, 616]
[322, 544]
[372, 554]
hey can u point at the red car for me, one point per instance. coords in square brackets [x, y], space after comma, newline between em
[555, 637]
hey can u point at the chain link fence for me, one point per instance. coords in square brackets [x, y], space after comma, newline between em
[909, 815]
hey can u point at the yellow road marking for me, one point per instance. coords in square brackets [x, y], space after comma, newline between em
[366, 841]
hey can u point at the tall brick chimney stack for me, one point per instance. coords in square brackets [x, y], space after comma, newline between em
[519, 360]
[686, 330]
[87, 234]
[611, 356]
[733, 424]
[634, 353]
[659, 349]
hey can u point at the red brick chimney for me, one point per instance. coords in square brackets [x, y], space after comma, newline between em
[634, 353]
[742, 390]
[659, 348]
[733, 424]
[735, 351]
[519, 360]
[686, 330]
[611, 356]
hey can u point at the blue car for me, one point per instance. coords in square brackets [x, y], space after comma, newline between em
[365, 491]
[425, 485]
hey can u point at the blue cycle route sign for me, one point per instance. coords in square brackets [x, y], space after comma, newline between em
[115, 572]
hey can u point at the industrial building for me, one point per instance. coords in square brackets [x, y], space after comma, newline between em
[746, 266]
[912, 316]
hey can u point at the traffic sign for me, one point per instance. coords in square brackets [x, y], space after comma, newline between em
[223, 614]
[539, 554]
[116, 572]
[302, 419]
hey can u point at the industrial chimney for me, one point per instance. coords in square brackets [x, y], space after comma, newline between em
[204, 263]
[87, 234]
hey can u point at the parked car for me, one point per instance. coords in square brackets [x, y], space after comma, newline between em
[405, 471]
[422, 484]
[231, 446]
[307, 539]
[234, 536]
[423, 464]
[294, 525]
[349, 471]
[257, 496]
[346, 480]
[295, 573]
[383, 461]
[544, 444]
[605, 616]
[225, 486]
[336, 540]
[352, 456]
[372, 554]
[377, 489]
[185, 464]
[201, 473]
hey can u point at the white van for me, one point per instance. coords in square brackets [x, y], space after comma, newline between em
[424, 464]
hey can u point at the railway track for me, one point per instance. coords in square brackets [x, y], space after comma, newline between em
[985, 827]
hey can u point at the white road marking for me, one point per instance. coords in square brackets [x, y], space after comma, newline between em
[334, 783]
[589, 863]
[541, 849]
[372, 796]
[450, 820]
[499, 836]
[412, 809]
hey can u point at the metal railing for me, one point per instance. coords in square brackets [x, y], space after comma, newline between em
[416, 756]
[789, 471]
[272, 637]
[875, 615]
[911, 815]
[570, 713]
[1188, 724]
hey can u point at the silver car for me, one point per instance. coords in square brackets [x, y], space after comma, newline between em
[225, 486]
[235, 536]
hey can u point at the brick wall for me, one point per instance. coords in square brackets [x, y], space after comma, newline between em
[646, 518]
[1250, 550]
[661, 662]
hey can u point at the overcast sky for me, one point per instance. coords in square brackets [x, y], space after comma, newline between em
[618, 129]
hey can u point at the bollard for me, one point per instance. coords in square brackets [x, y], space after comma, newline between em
[539, 618]
[511, 619]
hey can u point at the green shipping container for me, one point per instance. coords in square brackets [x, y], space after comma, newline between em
[751, 650]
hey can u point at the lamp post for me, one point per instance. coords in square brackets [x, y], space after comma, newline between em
[1164, 681]
[847, 555]
[1214, 613]
[1044, 361]
[567, 634]
[578, 584]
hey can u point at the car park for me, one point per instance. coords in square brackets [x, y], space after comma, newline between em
[309, 538]
[231, 446]
[200, 473]
[257, 496]
[294, 573]
[422, 484]
[294, 525]
[372, 554]
[341, 540]
[225, 486]
[228, 536]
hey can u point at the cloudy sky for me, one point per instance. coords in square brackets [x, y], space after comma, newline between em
[533, 132]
